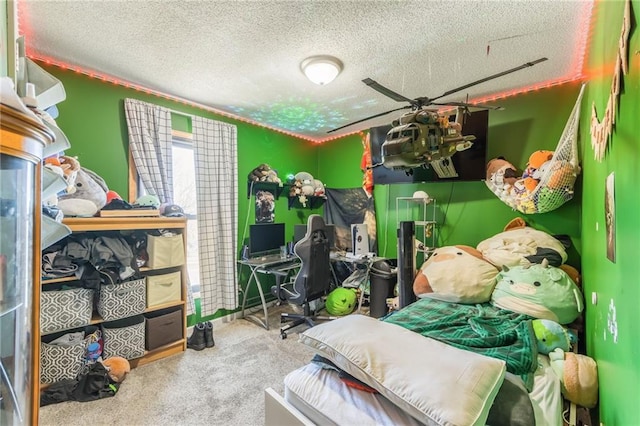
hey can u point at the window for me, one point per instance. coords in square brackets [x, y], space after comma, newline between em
[184, 194]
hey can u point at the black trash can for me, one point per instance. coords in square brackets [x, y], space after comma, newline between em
[383, 277]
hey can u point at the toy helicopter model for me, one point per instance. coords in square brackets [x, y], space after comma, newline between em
[424, 136]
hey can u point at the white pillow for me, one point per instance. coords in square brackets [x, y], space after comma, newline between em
[435, 383]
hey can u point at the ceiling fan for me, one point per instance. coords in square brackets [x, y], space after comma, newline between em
[420, 103]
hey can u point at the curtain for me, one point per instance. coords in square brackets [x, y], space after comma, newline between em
[150, 138]
[216, 154]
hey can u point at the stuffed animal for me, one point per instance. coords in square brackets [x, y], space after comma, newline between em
[456, 274]
[536, 160]
[578, 376]
[318, 188]
[550, 335]
[259, 173]
[522, 245]
[501, 177]
[89, 196]
[341, 301]
[306, 179]
[540, 291]
[118, 368]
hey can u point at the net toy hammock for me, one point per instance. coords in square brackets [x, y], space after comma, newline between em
[555, 178]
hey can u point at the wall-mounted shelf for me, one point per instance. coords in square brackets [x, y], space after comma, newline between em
[313, 202]
[274, 187]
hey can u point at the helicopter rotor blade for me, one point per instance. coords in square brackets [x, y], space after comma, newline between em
[387, 92]
[468, 105]
[491, 77]
[369, 118]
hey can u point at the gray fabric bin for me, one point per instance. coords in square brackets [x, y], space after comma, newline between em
[124, 338]
[122, 300]
[64, 309]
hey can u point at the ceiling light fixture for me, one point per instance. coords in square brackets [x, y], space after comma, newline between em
[321, 69]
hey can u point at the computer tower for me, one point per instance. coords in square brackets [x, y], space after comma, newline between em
[359, 239]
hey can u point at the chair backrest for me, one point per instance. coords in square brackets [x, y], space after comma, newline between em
[313, 279]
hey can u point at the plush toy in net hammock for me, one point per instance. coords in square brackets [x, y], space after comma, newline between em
[547, 182]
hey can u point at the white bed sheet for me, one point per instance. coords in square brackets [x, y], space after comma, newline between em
[325, 399]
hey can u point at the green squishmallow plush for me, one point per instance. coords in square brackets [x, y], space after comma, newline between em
[550, 335]
[540, 291]
[341, 301]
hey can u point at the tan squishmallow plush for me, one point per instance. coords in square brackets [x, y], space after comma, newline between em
[456, 274]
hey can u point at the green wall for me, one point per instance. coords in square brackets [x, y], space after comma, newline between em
[614, 284]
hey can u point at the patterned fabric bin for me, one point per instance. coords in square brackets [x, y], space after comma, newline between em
[122, 300]
[59, 362]
[65, 309]
[124, 338]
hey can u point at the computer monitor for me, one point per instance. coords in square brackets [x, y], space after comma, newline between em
[299, 231]
[265, 237]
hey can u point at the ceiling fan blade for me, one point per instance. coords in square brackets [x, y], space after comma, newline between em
[491, 77]
[369, 118]
[387, 92]
[468, 105]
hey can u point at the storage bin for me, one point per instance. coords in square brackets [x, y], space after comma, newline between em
[123, 338]
[64, 354]
[165, 252]
[164, 288]
[163, 327]
[65, 308]
[122, 300]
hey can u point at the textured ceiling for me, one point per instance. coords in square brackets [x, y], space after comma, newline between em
[242, 58]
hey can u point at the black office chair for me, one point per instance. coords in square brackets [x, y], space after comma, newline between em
[312, 281]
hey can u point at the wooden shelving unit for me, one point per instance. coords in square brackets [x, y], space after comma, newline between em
[105, 224]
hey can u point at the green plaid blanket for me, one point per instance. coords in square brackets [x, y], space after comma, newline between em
[480, 328]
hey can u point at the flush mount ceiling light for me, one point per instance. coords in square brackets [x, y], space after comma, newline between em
[321, 69]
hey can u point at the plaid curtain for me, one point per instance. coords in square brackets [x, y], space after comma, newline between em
[216, 157]
[149, 129]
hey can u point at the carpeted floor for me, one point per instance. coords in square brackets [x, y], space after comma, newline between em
[222, 385]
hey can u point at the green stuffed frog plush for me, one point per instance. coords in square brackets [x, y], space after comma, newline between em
[540, 291]
[341, 301]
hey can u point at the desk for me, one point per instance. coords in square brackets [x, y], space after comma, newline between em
[267, 265]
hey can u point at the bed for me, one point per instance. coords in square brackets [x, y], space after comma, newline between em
[433, 363]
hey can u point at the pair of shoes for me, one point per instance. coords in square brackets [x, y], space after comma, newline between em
[202, 336]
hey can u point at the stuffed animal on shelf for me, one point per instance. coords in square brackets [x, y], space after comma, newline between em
[118, 368]
[89, 196]
[578, 376]
[306, 179]
[456, 274]
[540, 291]
[264, 173]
